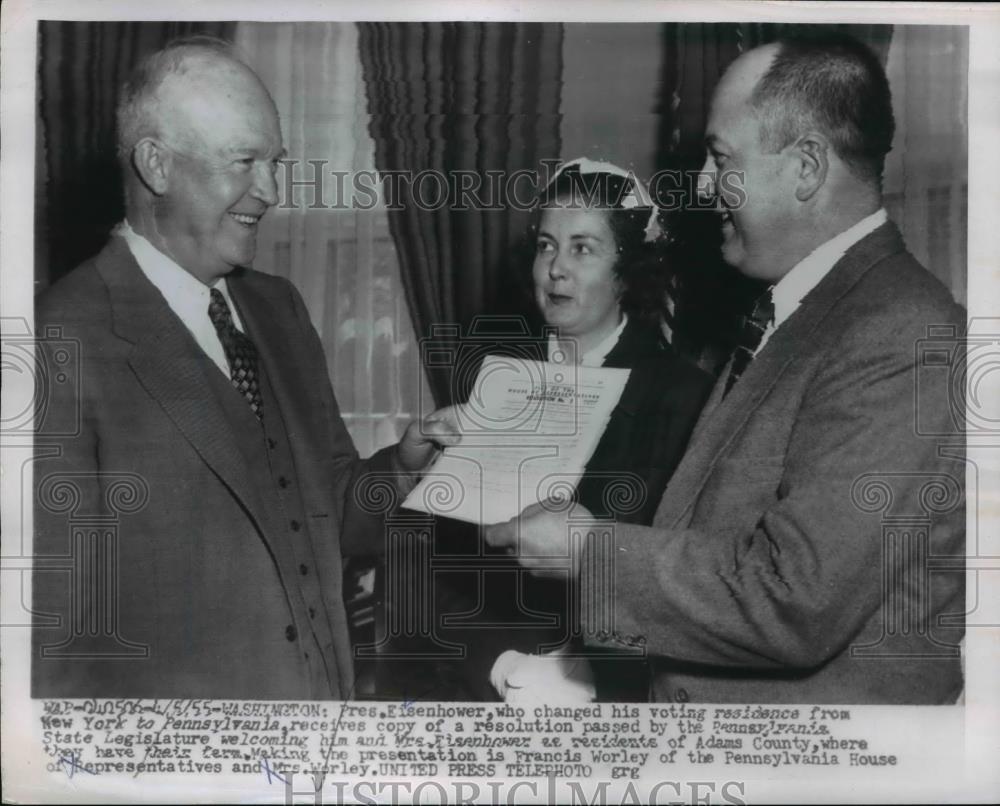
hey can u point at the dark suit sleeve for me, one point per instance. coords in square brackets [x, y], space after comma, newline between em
[68, 489]
[792, 587]
[365, 489]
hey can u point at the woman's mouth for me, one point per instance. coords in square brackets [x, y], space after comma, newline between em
[558, 299]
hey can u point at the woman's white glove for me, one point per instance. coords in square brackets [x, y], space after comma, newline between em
[551, 678]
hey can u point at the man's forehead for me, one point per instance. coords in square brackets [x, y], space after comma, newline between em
[738, 82]
[234, 112]
[731, 99]
[215, 82]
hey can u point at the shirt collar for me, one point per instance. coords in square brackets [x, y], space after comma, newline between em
[186, 295]
[791, 289]
[594, 357]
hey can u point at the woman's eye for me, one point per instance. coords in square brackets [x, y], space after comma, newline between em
[583, 249]
[543, 246]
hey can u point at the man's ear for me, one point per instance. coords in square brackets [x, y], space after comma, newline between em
[152, 163]
[813, 151]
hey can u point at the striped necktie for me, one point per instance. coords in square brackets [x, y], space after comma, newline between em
[751, 334]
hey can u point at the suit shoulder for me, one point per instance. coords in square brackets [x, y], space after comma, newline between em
[263, 280]
[900, 284]
[79, 296]
[278, 290]
[894, 303]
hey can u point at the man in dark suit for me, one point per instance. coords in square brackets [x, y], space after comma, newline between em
[190, 527]
[788, 557]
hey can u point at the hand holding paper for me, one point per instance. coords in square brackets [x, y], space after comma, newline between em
[540, 535]
[425, 438]
[528, 430]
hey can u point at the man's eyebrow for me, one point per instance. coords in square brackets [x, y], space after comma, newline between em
[250, 150]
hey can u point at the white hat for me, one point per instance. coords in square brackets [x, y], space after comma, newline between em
[637, 196]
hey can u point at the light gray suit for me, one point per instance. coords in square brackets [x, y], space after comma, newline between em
[788, 559]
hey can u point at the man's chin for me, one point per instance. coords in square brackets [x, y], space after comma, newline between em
[240, 257]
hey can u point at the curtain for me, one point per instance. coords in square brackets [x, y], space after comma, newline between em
[926, 173]
[708, 296]
[446, 97]
[81, 66]
[337, 253]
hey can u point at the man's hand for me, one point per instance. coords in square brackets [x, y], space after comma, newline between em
[424, 439]
[550, 678]
[540, 537]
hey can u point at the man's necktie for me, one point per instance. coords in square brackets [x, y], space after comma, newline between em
[240, 352]
[751, 334]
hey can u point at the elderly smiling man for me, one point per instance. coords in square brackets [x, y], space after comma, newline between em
[204, 384]
[766, 575]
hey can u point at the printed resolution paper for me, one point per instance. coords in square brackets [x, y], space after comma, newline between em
[528, 430]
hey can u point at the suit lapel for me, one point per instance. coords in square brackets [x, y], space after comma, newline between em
[724, 416]
[171, 367]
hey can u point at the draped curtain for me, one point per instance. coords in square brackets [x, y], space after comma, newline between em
[81, 66]
[926, 173]
[460, 96]
[337, 251]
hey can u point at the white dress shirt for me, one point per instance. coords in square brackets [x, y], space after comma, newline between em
[791, 289]
[594, 357]
[187, 296]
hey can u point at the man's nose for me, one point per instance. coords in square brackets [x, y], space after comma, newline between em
[265, 185]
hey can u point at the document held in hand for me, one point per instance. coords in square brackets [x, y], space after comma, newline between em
[528, 430]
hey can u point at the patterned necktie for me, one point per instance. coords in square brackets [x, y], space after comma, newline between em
[240, 352]
[751, 334]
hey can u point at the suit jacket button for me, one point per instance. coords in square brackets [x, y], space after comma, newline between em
[295, 526]
[312, 612]
[303, 569]
[271, 443]
[282, 482]
[291, 633]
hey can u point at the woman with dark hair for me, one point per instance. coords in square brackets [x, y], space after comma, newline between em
[599, 277]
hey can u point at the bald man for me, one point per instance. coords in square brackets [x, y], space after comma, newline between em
[190, 523]
[789, 560]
